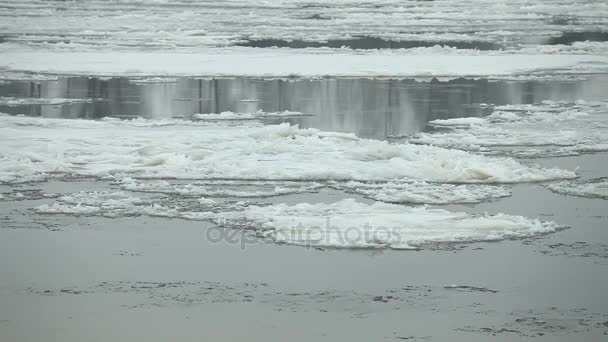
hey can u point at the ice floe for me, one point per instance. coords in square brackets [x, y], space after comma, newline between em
[182, 24]
[25, 195]
[529, 130]
[350, 224]
[391, 192]
[153, 39]
[16, 101]
[220, 188]
[288, 63]
[592, 188]
[245, 116]
[35, 148]
[153, 80]
[121, 204]
[343, 224]
[423, 192]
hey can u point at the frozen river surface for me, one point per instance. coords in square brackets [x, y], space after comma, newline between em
[311, 170]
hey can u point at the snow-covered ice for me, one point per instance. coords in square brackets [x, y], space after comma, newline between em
[352, 224]
[17, 101]
[33, 148]
[345, 38]
[343, 224]
[423, 192]
[252, 62]
[245, 116]
[592, 188]
[184, 24]
[530, 130]
[220, 188]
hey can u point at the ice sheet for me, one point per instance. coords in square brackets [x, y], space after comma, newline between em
[417, 38]
[350, 224]
[423, 192]
[343, 224]
[245, 116]
[184, 24]
[220, 188]
[592, 188]
[34, 148]
[293, 63]
[532, 130]
[16, 101]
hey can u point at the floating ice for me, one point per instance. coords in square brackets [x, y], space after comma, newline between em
[245, 116]
[35, 148]
[25, 195]
[459, 122]
[152, 80]
[220, 188]
[181, 24]
[344, 224]
[16, 101]
[111, 204]
[422, 192]
[538, 130]
[285, 63]
[121, 204]
[350, 224]
[224, 116]
[592, 188]
[392, 192]
[152, 38]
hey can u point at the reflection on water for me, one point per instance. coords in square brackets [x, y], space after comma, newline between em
[367, 43]
[367, 107]
[581, 36]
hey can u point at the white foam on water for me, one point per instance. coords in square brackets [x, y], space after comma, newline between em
[423, 192]
[593, 188]
[35, 148]
[531, 130]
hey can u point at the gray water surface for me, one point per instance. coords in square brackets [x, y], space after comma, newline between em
[367, 107]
